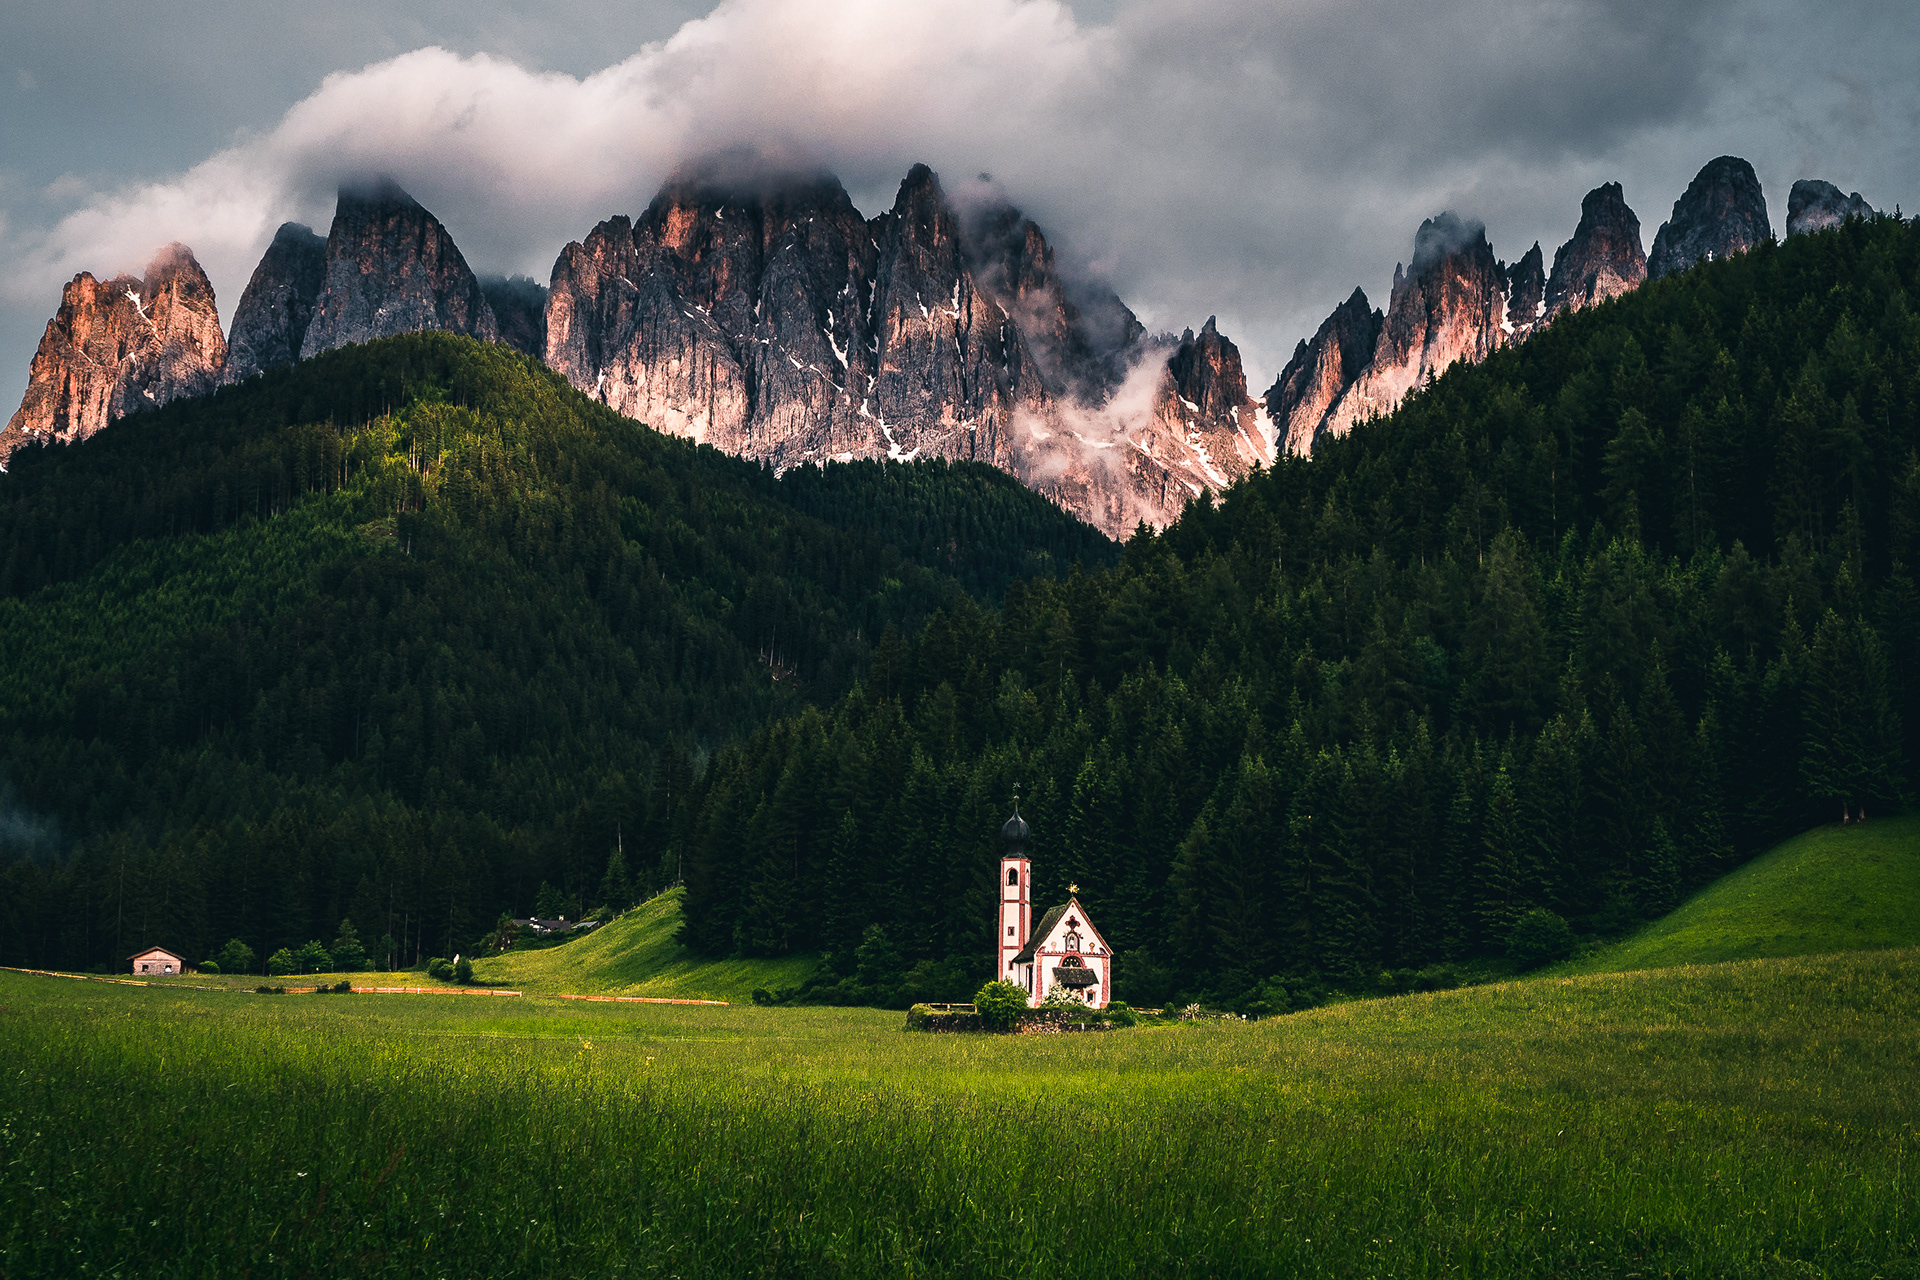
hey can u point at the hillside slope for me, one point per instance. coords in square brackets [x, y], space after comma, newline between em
[406, 631]
[1578, 628]
[1833, 888]
[636, 955]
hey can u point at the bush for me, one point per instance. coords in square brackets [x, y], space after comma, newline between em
[440, 968]
[1539, 937]
[463, 970]
[348, 954]
[281, 963]
[235, 957]
[1121, 1014]
[210, 967]
[313, 958]
[1000, 1005]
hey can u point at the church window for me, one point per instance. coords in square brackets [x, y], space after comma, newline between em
[1073, 940]
[1013, 875]
[1009, 931]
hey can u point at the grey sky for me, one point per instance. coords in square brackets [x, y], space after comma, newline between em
[1251, 160]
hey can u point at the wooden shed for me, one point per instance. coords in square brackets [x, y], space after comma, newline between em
[157, 962]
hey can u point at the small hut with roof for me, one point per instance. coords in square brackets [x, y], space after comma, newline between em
[1064, 951]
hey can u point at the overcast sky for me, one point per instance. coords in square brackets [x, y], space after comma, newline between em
[1250, 160]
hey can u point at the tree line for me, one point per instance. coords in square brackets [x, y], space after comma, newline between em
[407, 632]
[1572, 632]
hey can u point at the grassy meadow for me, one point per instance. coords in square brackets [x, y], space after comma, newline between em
[1740, 1119]
[1833, 888]
[636, 955]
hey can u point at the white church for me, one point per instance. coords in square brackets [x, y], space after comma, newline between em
[1064, 951]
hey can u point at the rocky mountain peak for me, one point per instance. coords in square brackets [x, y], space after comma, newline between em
[1452, 305]
[1082, 337]
[392, 268]
[1526, 295]
[1203, 404]
[1321, 369]
[118, 346]
[1721, 212]
[1603, 259]
[1814, 205]
[277, 306]
[1443, 237]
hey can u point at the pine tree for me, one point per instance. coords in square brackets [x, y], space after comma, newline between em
[550, 903]
[349, 955]
[1499, 897]
[616, 886]
[1852, 747]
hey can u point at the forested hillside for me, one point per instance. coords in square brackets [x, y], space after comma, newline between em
[412, 629]
[1573, 631]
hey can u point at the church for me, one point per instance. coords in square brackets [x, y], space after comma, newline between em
[1063, 951]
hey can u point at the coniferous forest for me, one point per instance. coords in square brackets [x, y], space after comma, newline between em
[1574, 631]
[412, 634]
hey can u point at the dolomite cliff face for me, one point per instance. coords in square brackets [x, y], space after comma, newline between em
[1526, 303]
[1449, 305]
[757, 311]
[271, 321]
[1321, 369]
[118, 346]
[1602, 260]
[1721, 212]
[1814, 205]
[1457, 302]
[391, 268]
[1202, 404]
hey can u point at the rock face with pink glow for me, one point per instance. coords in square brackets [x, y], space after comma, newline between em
[755, 309]
[1449, 304]
[118, 346]
[1603, 259]
[1321, 369]
[1203, 404]
[1456, 302]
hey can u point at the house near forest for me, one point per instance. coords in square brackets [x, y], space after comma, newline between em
[547, 928]
[1064, 951]
[157, 962]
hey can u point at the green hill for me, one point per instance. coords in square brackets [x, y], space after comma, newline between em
[636, 955]
[1577, 627]
[1831, 889]
[406, 631]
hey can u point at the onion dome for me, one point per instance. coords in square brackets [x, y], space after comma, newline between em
[1014, 836]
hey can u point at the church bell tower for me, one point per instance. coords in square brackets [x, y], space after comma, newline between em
[1016, 896]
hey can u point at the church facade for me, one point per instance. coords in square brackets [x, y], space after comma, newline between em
[1063, 951]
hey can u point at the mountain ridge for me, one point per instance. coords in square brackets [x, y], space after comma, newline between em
[753, 307]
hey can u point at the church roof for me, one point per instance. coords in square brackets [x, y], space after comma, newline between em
[1040, 931]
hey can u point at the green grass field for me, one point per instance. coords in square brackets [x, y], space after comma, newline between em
[1746, 1119]
[637, 956]
[1829, 889]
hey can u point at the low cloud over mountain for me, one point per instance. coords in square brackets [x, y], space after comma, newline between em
[1227, 158]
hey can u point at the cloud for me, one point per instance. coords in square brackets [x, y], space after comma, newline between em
[1242, 157]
